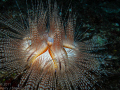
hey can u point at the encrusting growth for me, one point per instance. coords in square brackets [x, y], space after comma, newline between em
[46, 56]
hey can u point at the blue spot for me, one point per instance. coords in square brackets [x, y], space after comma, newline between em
[50, 39]
[70, 10]
[60, 13]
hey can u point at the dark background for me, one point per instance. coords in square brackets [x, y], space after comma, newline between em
[99, 18]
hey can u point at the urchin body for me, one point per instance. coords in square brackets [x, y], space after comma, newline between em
[47, 57]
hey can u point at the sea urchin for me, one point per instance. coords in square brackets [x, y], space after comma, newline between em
[42, 50]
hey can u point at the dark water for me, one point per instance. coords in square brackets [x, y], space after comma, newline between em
[95, 19]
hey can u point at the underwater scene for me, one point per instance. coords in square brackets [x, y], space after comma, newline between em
[59, 45]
